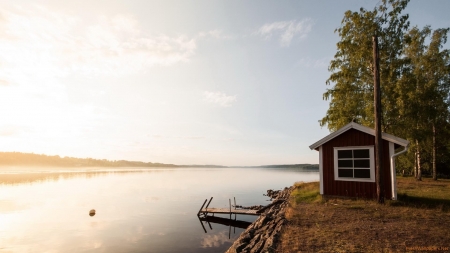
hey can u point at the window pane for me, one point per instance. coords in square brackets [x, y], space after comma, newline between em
[364, 163]
[345, 173]
[362, 173]
[361, 153]
[345, 154]
[345, 163]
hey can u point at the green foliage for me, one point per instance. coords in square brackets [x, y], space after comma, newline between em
[414, 77]
[351, 98]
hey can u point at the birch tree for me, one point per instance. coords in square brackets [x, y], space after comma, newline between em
[351, 97]
[415, 80]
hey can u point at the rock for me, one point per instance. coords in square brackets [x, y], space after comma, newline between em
[253, 242]
[258, 247]
[240, 247]
[92, 212]
[272, 194]
[258, 207]
[246, 238]
[263, 234]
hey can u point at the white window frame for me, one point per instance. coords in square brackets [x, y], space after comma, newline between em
[372, 164]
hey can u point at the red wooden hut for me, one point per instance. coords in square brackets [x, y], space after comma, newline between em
[347, 162]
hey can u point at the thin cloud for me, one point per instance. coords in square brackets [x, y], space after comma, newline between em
[8, 131]
[51, 43]
[159, 136]
[286, 30]
[192, 137]
[216, 34]
[311, 63]
[219, 98]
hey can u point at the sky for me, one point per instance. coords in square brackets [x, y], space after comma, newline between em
[180, 82]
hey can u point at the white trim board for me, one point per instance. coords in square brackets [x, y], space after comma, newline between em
[367, 130]
[371, 167]
[321, 170]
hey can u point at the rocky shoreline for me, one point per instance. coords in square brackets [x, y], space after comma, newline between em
[263, 234]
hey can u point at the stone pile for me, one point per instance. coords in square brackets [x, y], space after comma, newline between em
[262, 235]
[257, 207]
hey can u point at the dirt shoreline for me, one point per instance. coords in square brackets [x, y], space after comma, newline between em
[416, 222]
[263, 234]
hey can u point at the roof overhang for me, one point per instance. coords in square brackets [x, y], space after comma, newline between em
[367, 130]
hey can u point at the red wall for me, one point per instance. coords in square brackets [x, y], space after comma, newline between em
[331, 187]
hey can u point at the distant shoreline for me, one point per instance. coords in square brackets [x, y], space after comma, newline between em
[31, 159]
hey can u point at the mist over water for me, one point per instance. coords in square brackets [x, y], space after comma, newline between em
[136, 210]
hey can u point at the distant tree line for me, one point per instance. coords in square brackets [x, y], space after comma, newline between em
[305, 166]
[17, 158]
[415, 84]
[30, 159]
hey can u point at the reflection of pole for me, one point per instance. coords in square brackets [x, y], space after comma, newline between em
[225, 222]
[209, 225]
[204, 229]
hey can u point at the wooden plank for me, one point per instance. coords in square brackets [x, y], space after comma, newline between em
[228, 211]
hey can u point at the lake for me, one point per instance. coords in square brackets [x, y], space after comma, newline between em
[137, 210]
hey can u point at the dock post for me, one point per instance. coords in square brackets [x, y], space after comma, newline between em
[229, 200]
[234, 203]
[208, 203]
[202, 207]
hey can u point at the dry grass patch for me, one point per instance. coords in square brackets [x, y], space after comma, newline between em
[345, 225]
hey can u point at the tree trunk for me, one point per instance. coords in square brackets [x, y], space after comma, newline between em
[419, 169]
[415, 163]
[434, 153]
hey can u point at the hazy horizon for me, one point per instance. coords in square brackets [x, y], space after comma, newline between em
[28, 157]
[233, 83]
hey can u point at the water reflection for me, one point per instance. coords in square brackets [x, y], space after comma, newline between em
[218, 240]
[141, 211]
[222, 221]
[37, 175]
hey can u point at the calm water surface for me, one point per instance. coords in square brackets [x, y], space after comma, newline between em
[137, 210]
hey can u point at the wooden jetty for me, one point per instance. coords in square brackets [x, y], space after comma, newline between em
[205, 211]
[224, 221]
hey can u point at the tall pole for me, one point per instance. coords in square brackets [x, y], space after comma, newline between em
[377, 109]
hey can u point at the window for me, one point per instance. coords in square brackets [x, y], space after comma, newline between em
[354, 164]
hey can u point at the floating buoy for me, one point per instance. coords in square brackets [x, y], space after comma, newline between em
[92, 212]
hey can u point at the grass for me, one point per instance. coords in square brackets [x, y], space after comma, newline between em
[417, 219]
[423, 194]
[306, 193]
